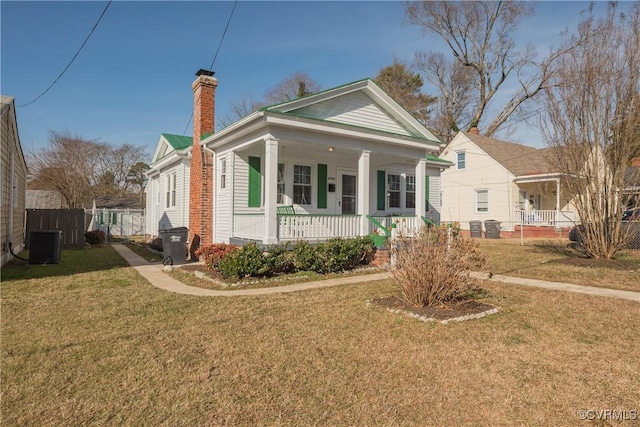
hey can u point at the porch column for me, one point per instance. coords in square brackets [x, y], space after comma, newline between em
[363, 190]
[421, 202]
[270, 190]
[557, 225]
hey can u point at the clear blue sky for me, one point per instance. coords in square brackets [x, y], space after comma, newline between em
[132, 81]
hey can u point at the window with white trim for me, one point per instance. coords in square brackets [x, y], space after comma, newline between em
[280, 183]
[393, 191]
[171, 190]
[482, 200]
[410, 193]
[223, 173]
[302, 184]
[462, 159]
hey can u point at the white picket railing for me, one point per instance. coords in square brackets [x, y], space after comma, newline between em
[545, 218]
[311, 227]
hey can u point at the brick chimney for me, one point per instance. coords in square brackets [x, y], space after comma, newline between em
[201, 179]
[474, 130]
[635, 161]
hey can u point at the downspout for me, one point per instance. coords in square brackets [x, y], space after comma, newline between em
[12, 189]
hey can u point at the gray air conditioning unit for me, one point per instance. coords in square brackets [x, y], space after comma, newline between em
[45, 247]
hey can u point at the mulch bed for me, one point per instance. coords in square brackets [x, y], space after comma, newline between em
[455, 310]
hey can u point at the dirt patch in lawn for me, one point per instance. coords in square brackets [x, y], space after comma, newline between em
[614, 264]
[455, 310]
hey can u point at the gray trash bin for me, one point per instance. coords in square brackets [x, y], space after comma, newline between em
[492, 229]
[475, 228]
[174, 245]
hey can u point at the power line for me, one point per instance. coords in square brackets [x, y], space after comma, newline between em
[72, 59]
[224, 33]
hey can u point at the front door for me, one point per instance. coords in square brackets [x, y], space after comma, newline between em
[347, 201]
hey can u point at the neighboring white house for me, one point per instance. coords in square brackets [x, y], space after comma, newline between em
[317, 167]
[13, 178]
[167, 189]
[118, 216]
[498, 180]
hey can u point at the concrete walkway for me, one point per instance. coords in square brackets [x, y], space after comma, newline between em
[154, 274]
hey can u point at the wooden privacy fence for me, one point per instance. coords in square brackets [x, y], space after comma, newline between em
[72, 222]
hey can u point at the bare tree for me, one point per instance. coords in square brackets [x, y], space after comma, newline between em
[479, 34]
[82, 169]
[292, 87]
[405, 87]
[454, 81]
[591, 118]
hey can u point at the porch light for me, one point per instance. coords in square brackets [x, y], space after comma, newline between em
[331, 148]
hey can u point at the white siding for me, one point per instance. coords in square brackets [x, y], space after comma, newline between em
[481, 172]
[223, 216]
[175, 216]
[434, 195]
[354, 109]
[241, 183]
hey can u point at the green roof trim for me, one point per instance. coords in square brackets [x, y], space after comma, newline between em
[271, 107]
[178, 142]
[205, 135]
[437, 159]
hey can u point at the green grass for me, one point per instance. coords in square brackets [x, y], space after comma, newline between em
[554, 260]
[100, 345]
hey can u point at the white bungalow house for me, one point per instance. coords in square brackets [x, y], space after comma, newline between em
[13, 178]
[498, 180]
[167, 189]
[341, 162]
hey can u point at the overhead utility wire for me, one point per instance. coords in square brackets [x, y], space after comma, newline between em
[72, 59]
[224, 33]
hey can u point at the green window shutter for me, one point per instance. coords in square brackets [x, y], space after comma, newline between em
[254, 182]
[115, 219]
[100, 218]
[426, 192]
[381, 190]
[322, 186]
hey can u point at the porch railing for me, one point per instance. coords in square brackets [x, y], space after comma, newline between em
[405, 225]
[308, 227]
[545, 218]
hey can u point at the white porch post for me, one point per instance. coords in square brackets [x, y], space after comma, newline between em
[421, 203]
[557, 225]
[363, 190]
[270, 190]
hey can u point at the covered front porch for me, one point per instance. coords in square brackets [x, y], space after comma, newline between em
[542, 203]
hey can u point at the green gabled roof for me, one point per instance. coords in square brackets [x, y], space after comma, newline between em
[432, 158]
[273, 106]
[178, 142]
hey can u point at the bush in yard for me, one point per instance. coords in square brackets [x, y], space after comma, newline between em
[305, 257]
[212, 254]
[345, 254]
[246, 262]
[280, 259]
[434, 267]
[95, 237]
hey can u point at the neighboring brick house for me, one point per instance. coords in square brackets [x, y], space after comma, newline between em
[13, 178]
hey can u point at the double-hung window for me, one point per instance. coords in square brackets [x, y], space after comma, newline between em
[223, 173]
[171, 190]
[393, 190]
[462, 159]
[302, 184]
[410, 194]
[482, 200]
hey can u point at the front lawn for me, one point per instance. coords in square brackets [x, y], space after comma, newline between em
[555, 260]
[100, 345]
